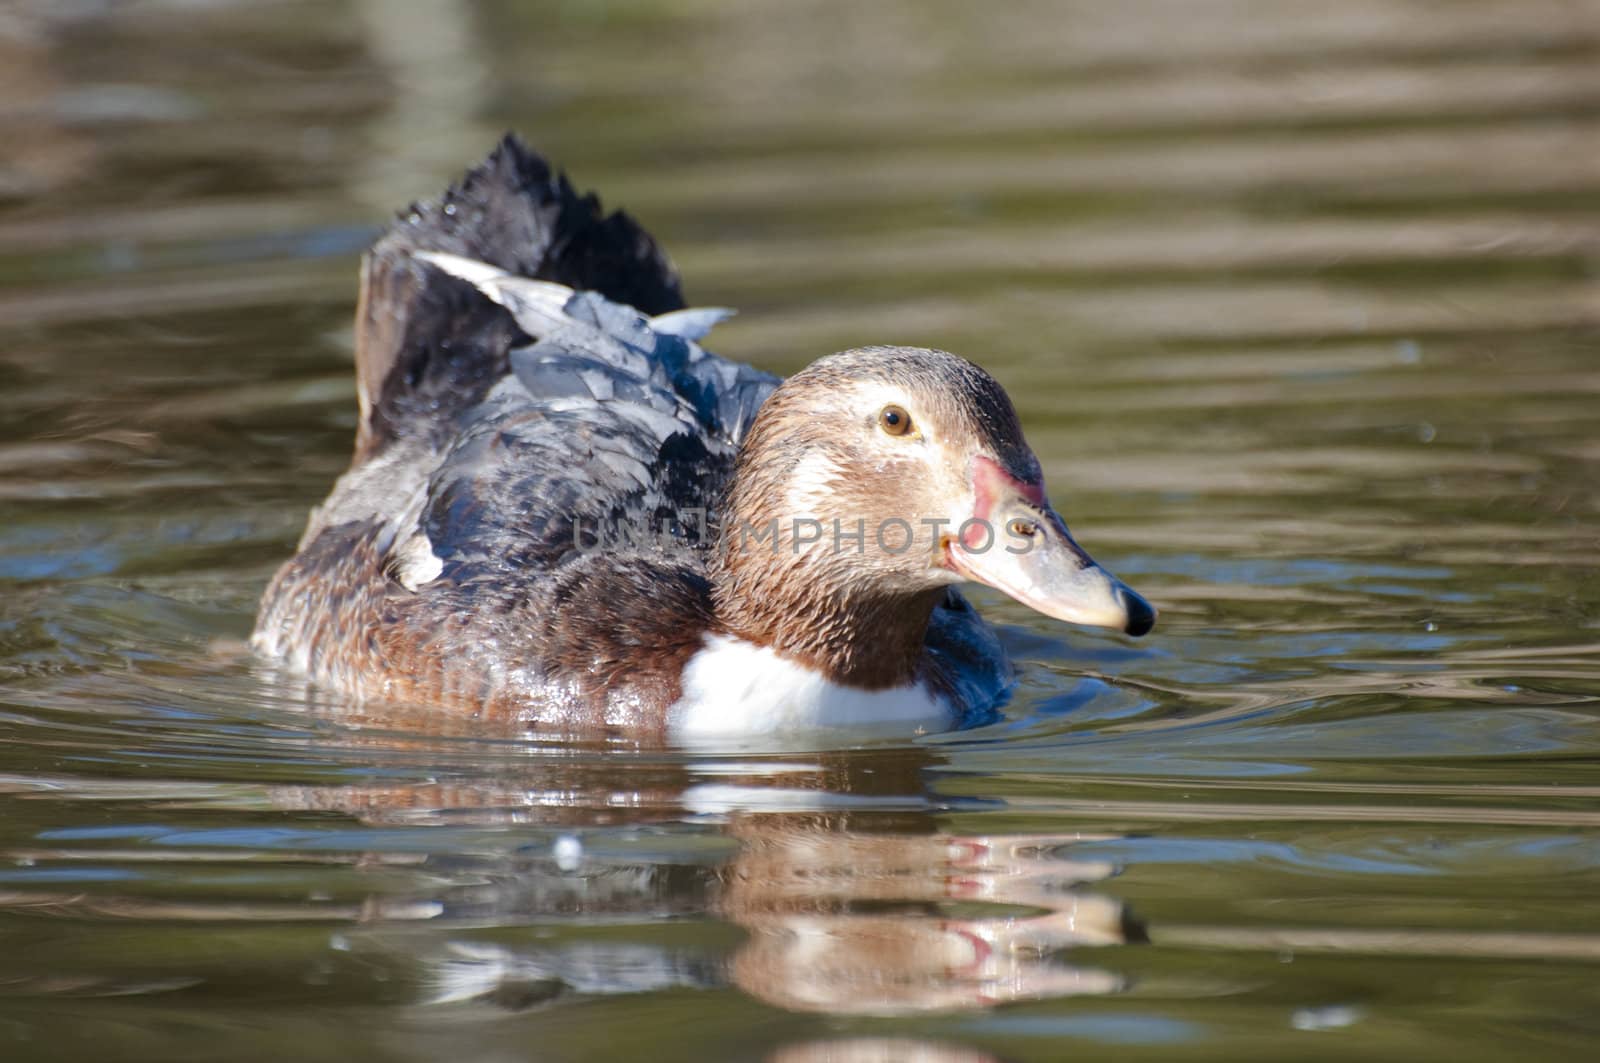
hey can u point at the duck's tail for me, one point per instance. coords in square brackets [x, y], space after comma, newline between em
[429, 345]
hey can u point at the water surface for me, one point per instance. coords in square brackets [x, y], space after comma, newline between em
[1299, 307]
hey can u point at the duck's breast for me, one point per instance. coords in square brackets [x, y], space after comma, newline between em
[735, 689]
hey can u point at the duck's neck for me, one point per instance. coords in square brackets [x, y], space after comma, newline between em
[869, 639]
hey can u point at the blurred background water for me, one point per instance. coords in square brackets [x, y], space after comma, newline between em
[1298, 302]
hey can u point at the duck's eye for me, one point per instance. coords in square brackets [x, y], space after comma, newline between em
[1022, 528]
[894, 420]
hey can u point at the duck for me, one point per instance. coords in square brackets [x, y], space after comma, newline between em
[565, 514]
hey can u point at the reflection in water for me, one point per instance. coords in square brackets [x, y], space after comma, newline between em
[878, 1050]
[856, 923]
[852, 899]
[842, 922]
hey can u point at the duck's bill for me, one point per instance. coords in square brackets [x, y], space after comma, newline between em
[1048, 571]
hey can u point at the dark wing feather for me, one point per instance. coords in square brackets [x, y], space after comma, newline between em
[422, 355]
[605, 431]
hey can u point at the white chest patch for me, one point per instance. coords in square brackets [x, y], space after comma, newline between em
[735, 689]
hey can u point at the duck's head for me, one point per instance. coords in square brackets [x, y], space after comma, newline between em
[880, 476]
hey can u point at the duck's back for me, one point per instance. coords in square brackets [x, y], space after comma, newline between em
[522, 516]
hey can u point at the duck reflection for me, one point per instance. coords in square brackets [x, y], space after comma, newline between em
[878, 1050]
[864, 923]
[852, 895]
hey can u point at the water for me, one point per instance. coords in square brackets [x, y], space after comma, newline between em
[1299, 305]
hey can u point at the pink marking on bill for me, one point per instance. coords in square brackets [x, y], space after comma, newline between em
[990, 483]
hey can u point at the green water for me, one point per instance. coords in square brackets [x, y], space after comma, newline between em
[1298, 302]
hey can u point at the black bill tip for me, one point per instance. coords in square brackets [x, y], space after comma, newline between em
[1141, 614]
